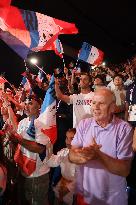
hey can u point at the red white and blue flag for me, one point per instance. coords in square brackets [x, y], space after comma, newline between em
[40, 76]
[90, 54]
[47, 118]
[25, 31]
[25, 83]
[57, 47]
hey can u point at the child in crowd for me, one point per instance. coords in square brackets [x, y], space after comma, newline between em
[64, 190]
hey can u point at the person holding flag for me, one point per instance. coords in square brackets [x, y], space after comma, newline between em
[29, 156]
[81, 102]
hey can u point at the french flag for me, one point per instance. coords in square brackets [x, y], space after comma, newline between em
[25, 31]
[26, 160]
[57, 48]
[47, 118]
[40, 76]
[26, 84]
[90, 54]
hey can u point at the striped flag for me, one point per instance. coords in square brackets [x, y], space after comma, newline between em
[40, 76]
[25, 159]
[57, 47]
[25, 83]
[90, 54]
[26, 31]
[47, 117]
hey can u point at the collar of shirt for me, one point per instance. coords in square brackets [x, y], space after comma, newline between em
[95, 124]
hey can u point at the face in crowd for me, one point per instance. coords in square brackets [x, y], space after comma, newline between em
[103, 104]
[69, 137]
[118, 81]
[98, 81]
[84, 81]
[32, 107]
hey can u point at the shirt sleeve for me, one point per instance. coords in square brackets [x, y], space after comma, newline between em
[124, 143]
[78, 138]
[55, 160]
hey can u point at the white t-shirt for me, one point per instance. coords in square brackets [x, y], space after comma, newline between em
[111, 85]
[120, 96]
[81, 106]
[41, 167]
[68, 170]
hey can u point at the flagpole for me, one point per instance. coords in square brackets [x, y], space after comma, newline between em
[7, 81]
[40, 68]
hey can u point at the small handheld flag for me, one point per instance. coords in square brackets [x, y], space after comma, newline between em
[47, 117]
[90, 54]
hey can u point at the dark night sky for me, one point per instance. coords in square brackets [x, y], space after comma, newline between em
[108, 25]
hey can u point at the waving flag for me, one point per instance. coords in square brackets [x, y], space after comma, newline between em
[2, 80]
[25, 83]
[90, 54]
[57, 47]
[40, 76]
[47, 117]
[25, 160]
[26, 31]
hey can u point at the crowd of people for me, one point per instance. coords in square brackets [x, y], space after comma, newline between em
[93, 159]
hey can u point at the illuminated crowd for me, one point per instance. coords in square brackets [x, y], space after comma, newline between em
[93, 159]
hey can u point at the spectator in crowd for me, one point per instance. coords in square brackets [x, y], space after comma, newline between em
[130, 116]
[9, 118]
[120, 94]
[102, 147]
[64, 190]
[33, 183]
[81, 102]
[98, 82]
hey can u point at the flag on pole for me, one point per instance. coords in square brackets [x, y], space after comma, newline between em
[25, 83]
[40, 76]
[57, 47]
[25, 31]
[90, 54]
[47, 118]
[2, 80]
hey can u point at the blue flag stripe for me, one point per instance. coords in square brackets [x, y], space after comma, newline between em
[49, 97]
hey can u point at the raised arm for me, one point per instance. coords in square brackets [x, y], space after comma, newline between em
[59, 94]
